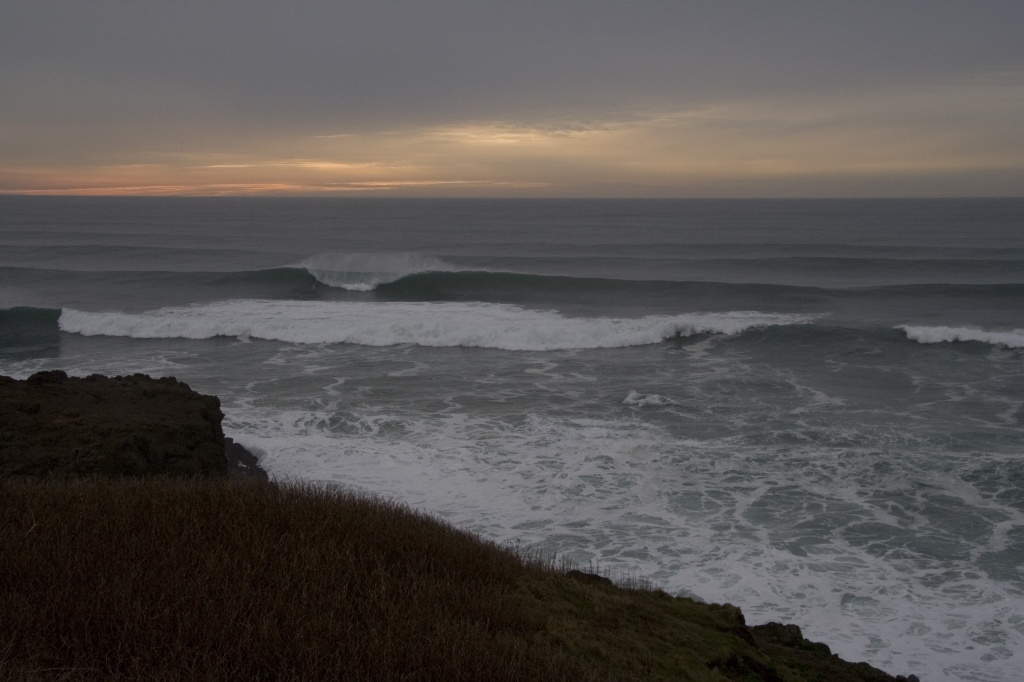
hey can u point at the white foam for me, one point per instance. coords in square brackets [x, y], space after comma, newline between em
[1011, 339]
[644, 400]
[483, 325]
[712, 517]
[365, 271]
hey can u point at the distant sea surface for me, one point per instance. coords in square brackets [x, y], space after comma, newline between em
[809, 409]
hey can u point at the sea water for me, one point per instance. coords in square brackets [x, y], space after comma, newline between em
[809, 409]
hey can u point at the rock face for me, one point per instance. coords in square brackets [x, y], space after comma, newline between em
[786, 645]
[55, 425]
[242, 463]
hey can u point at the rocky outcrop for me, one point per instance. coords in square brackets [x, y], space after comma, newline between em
[55, 425]
[787, 646]
[242, 463]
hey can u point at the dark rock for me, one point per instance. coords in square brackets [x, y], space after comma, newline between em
[786, 646]
[737, 624]
[241, 462]
[54, 376]
[787, 635]
[590, 578]
[55, 425]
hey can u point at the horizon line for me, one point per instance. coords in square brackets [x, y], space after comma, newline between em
[359, 196]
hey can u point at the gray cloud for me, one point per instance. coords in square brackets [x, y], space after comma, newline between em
[403, 60]
[101, 80]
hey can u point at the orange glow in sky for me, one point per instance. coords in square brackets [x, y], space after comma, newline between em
[100, 98]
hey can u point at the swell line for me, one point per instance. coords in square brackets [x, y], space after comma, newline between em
[480, 325]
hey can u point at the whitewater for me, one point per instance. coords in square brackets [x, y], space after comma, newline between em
[811, 409]
[482, 325]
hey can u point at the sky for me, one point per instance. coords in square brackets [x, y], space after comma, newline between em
[477, 98]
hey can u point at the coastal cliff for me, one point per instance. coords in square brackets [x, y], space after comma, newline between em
[53, 425]
[129, 553]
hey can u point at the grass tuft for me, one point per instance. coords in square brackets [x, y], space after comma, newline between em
[170, 579]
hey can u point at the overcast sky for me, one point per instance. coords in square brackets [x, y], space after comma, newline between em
[557, 98]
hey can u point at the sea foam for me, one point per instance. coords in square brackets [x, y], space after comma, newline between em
[644, 400]
[1011, 339]
[483, 325]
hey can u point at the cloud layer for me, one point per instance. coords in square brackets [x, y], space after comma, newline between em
[523, 99]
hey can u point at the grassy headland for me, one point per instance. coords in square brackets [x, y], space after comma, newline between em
[217, 579]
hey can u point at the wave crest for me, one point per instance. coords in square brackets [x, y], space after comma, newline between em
[1011, 339]
[365, 271]
[482, 325]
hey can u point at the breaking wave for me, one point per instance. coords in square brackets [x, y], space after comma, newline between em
[1011, 339]
[365, 271]
[482, 325]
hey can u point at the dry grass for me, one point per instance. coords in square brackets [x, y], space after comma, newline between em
[162, 579]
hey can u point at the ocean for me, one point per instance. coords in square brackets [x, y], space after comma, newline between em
[811, 409]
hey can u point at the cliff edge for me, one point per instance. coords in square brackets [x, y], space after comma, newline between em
[53, 425]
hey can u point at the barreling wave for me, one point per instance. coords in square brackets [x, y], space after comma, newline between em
[465, 283]
[414, 277]
[503, 286]
[16, 316]
[28, 332]
[1010, 339]
[366, 271]
[483, 325]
